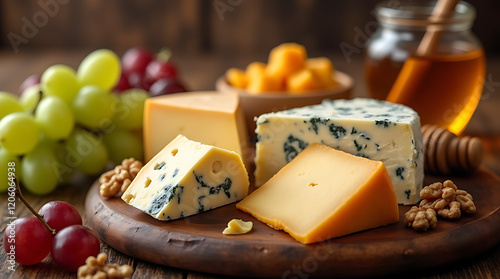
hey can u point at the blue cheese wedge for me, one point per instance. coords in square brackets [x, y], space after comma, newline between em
[369, 128]
[186, 178]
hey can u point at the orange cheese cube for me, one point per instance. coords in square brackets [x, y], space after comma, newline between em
[325, 193]
[264, 83]
[286, 59]
[323, 69]
[237, 78]
[207, 117]
[255, 69]
[303, 81]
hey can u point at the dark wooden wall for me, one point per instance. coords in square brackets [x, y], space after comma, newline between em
[197, 26]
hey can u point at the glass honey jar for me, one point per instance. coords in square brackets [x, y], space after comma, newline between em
[443, 85]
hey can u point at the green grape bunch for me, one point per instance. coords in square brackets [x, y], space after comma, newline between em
[72, 121]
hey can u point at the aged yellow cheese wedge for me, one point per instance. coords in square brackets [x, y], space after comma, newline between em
[207, 117]
[325, 193]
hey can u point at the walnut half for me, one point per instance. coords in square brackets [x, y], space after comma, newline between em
[421, 219]
[119, 178]
[447, 200]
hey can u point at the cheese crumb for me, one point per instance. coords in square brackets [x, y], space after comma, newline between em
[238, 226]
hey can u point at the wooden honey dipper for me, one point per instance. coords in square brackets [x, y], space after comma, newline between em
[403, 90]
[446, 153]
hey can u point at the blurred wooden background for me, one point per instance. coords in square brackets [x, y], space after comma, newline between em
[230, 27]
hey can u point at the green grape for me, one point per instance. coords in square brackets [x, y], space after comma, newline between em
[54, 117]
[8, 104]
[8, 163]
[47, 142]
[64, 163]
[19, 133]
[38, 172]
[122, 144]
[30, 98]
[93, 106]
[60, 81]
[87, 152]
[101, 68]
[129, 109]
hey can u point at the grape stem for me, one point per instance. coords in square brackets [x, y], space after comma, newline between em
[20, 196]
[164, 55]
[40, 95]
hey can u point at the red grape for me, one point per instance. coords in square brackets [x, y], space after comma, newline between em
[136, 80]
[27, 240]
[122, 84]
[60, 214]
[73, 245]
[166, 86]
[136, 60]
[159, 69]
[28, 82]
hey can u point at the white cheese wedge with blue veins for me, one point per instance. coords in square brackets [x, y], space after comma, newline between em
[186, 178]
[374, 129]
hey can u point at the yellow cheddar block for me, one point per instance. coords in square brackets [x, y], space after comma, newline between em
[302, 81]
[207, 117]
[323, 69]
[237, 78]
[286, 59]
[325, 193]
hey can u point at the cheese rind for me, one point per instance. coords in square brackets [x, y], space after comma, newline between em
[325, 193]
[208, 117]
[368, 128]
[187, 178]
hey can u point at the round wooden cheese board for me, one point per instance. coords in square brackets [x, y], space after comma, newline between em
[197, 243]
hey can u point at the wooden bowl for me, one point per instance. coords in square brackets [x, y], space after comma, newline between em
[254, 105]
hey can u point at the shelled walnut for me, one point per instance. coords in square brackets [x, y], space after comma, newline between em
[445, 199]
[119, 178]
[96, 268]
[421, 219]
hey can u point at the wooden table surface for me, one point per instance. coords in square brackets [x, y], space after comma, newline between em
[200, 72]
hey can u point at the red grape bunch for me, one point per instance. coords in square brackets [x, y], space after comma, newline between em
[28, 240]
[141, 69]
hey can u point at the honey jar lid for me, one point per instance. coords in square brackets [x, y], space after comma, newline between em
[416, 14]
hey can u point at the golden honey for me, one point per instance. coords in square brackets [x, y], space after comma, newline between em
[445, 85]
[444, 90]
[380, 75]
